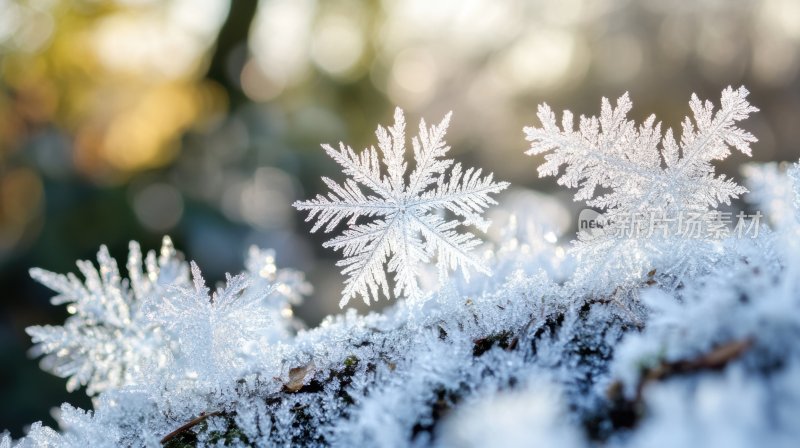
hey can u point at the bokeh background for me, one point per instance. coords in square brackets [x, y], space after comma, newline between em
[202, 119]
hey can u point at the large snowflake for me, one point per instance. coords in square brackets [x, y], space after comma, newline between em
[639, 170]
[408, 228]
[658, 194]
[107, 339]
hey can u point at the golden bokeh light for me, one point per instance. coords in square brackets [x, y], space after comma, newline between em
[123, 78]
[21, 196]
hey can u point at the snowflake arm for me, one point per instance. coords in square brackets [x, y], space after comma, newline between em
[408, 255]
[451, 248]
[344, 201]
[429, 146]
[465, 195]
[405, 230]
[392, 143]
[364, 265]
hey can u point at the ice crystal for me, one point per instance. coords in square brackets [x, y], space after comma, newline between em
[115, 336]
[531, 355]
[41, 436]
[107, 340]
[214, 332]
[407, 228]
[653, 190]
[751, 304]
[732, 409]
[640, 169]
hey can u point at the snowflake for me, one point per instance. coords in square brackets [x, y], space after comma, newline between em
[407, 229]
[107, 340]
[640, 169]
[214, 333]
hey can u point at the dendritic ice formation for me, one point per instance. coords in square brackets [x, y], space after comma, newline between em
[643, 169]
[666, 350]
[408, 229]
[658, 195]
[124, 329]
[108, 339]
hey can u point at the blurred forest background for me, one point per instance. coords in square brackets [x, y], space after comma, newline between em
[130, 119]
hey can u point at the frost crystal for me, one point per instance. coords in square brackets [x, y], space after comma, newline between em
[124, 329]
[214, 332]
[658, 195]
[687, 344]
[408, 228]
[642, 170]
[107, 339]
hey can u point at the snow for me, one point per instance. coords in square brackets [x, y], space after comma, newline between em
[614, 342]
